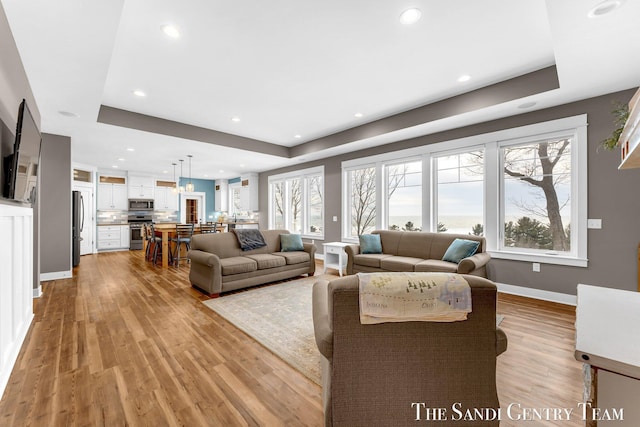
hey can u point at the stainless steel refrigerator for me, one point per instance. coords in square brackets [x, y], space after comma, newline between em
[77, 224]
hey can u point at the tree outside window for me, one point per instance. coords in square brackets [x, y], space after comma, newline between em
[278, 189]
[537, 195]
[362, 202]
[315, 205]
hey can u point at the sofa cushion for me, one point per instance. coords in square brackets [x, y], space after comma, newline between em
[294, 257]
[460, 249]
[291, 243]
[370, 244]
[436, 265]
[268, 261]
[399, 263]
[237, 265]
[370, 260]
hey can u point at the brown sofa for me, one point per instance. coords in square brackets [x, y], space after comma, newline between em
[371, 374]
[417, 251]
[219, 265]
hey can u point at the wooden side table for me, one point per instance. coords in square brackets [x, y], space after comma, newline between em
[335, 256]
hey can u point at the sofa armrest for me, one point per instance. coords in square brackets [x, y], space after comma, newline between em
[501, 342]
[474, 262]
[202, 257]
[321, 322]
[310, 248]
[352, 251]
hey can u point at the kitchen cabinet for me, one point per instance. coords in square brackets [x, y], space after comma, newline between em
[249, 192]
[141, 187]
[222, 195]
[112, 194]
[113, 237]
[166, 196]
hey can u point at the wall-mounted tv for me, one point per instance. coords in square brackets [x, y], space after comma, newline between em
[21, 169]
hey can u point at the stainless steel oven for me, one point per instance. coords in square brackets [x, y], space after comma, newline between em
[136, 220]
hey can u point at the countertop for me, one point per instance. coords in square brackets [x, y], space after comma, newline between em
[113, 224]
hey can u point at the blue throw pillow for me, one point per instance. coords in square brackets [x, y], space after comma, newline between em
[291, 243]
[460, 249]
[370, 244]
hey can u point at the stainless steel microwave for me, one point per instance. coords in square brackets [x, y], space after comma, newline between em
[140, 205]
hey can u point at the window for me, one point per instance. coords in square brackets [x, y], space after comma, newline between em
[459, 192]
[536, 196]
[404, 196]
[235, 201]
[524, 189]
[296, 202]
[361, 201]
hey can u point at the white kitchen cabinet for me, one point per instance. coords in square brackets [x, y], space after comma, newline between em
[222, 195]
[113, 237]
[112, 194]
[249, 192]
[141, 187]
[166, 198]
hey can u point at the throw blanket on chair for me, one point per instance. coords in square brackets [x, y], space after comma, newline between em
[407, 297]
[249, 238]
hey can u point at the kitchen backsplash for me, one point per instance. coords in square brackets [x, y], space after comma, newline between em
[111, 217]
[165, 216]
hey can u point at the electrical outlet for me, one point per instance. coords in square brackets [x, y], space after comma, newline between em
[536, 267]
[594, 223]
[335, 218]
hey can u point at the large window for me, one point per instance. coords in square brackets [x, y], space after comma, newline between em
[361, 201]
[404, 196]
[536, 197]
[296, 202]
[458, 199]
[524, 189]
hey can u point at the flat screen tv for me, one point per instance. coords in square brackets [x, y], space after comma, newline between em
[21, 169]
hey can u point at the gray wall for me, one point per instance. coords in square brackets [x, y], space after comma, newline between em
[55, 204]
[612, 251]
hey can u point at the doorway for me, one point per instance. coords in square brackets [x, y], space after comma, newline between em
[192, 208]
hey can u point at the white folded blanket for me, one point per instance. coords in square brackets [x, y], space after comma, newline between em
[408, 297]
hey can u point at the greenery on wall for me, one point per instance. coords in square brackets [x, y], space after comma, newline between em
[620, 115]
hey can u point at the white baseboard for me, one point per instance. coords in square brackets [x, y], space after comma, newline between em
[37, 293]
[537, 294]
[12, 353]
[55, 275]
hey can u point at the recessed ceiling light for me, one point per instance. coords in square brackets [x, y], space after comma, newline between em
[297, 136]
[115, 166]
[235, 119]
[410, 16]
[358, 115]
[139, 93]
[67, 114]
[131, 149]
[206, 176]
[464, 78]
[221, 171]
[604, 7]
[170, 31]
[527, 105]
[165, 171]
[241, 165]
[121, 159]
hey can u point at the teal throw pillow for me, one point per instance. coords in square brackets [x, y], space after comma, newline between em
[291, 243]
[460, 249]
[370, 244]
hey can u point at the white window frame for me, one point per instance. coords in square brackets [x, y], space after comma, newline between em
[303, 175]
[576, 125]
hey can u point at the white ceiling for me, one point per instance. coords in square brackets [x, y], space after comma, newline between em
[287, 67]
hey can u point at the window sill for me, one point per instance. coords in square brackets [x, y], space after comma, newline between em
[541, 258]
[312, 237]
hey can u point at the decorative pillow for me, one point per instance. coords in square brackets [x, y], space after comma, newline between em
[291, 243]
[460, 249]
[370, 244]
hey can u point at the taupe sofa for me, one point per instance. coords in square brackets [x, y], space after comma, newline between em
[417, 251]
[371, 374]
[219, 265]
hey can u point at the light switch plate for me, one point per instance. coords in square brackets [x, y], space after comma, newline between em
[335, 218]
[536, 267]
[594, 223]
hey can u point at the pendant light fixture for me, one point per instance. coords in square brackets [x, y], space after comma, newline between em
[190, 186]
[181, 188]
[174, 190]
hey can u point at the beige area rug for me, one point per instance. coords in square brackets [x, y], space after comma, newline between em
[279, 317]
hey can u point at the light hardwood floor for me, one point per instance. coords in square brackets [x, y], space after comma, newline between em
[125, 343]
